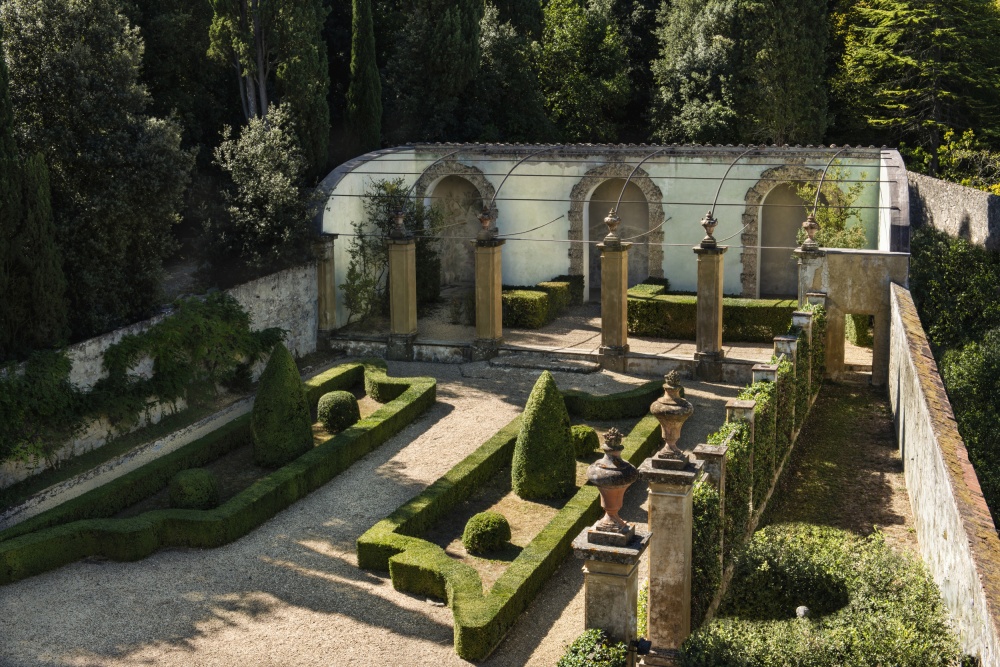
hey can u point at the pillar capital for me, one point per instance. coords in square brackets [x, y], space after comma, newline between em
[717, 250]
[765, 372]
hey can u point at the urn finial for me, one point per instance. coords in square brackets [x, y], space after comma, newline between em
[612, 476]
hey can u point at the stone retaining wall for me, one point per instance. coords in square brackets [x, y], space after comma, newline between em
[958, 539]
[957, 210]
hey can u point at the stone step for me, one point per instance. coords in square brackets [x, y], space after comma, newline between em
[546, 362]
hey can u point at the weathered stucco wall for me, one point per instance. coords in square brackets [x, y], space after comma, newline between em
[541, 192]
[957, 537]
[959, 211]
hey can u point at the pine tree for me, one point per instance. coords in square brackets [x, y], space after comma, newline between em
[920, 67]
[364, 96]
[436, 57]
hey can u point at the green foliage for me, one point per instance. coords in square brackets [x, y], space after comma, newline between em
[675, 316]
[585, 440]
[622, 405]
[766, 456]
[818, 348]
[544, 463]
[583, 70]
[955, 286]
[485, 533]
[280, 422]
[117, 174]
[802, 389]
[706, 550]
[642, 613]
[739, 484]
[858, 330]
[575, 288]
[525, 308]
[436, 57]
[785, 401]
[869, 606]
[81, 527]
[967, 160]
[594, 649]
[268, 226]
[366, 290]
[194, 489]
[418, 566]
[839, 219]
[914, 70]
[972, 374]
[202, 344]
[338, 410]
[364, 96]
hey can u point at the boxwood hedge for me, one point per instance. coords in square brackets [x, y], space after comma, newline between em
[423, 568]
[82, 526]
[675, 316]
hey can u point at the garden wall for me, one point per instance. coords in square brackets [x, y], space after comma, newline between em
[957, 210]
[958, 539]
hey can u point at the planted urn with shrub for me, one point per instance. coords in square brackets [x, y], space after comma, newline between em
[338, 410]
[194, 489]
[280, 423]
[544, 463]
[486, 533]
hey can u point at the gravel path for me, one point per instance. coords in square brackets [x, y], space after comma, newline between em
[290, 593]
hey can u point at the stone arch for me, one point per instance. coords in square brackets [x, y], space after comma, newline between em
[769, 179]
[472, 174]
[581, 193]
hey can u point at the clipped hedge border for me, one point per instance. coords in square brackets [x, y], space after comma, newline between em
[420, 567]
[525, 308]
[83, 529]
[765, 448]
[630, 403]
[818, 347]
[675, 316]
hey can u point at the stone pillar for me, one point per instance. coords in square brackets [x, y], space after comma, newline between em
[611, 584]
[787, 345]
[670, 522]
[816, 298]
[402, 298]
[765, 372]
[489, 299]
[708, 332]
[714, 459]
[614, 305]
[327, 287]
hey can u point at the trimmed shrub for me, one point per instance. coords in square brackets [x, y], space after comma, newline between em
[194, 489]
[858, 330]
[624, 404]
[785, 417]
[818, 348]
[486, 532]
[869, 606]
[645, 290]
[802, 389]
[559, 297]
[739, 483]
[525, 309]
[675, 316]
[585, 440]
[594, 649]
[544, 464]
[706, 546]
[575, 288]
[280, 422]
[765, 452]
[338, 410]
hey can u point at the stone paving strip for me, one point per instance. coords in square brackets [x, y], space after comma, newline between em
[290, 593]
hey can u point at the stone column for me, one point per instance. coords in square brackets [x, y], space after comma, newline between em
[402, 298]
[670, 522]
[708, 331]
[614, 298]
[611, 584]
[489, 299]
[326, 287]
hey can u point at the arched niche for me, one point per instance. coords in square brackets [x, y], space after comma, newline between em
[781, 216]
[459, 191]
[751, 237]
[634, 214]
[579, 212]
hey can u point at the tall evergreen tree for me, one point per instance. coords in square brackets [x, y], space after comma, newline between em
[117, 174]
[436, 56]
[364, 96]
[914, 69]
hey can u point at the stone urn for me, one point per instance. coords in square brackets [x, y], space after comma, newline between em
[612, 476]
[671, 410]
[612, 221]
[810, 226]
[709, 223]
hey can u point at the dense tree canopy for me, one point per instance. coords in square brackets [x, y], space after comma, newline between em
[364, 97]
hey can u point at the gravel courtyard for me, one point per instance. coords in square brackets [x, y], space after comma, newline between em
[290, 593]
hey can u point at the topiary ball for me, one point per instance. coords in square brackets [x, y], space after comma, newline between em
[585, 440]
[338, 410]
[194, 489]
[280, 422]
[486, 532]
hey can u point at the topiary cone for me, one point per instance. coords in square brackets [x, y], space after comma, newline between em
[544, 464]
[280, 423]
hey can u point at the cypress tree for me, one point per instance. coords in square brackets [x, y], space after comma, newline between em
[364, 96]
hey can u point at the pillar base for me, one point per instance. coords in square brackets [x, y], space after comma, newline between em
[485, 348]
[709, 370]
[611, 584]
[614, 357]
[400, 347]
[662, 658]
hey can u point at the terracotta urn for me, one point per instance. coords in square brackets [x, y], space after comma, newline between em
[612, 476]
[671, 410]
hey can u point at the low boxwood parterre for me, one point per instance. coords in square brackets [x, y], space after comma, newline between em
[652, 313]
[534, 307]
[630, 403]
[423, 568]
[81, 527]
